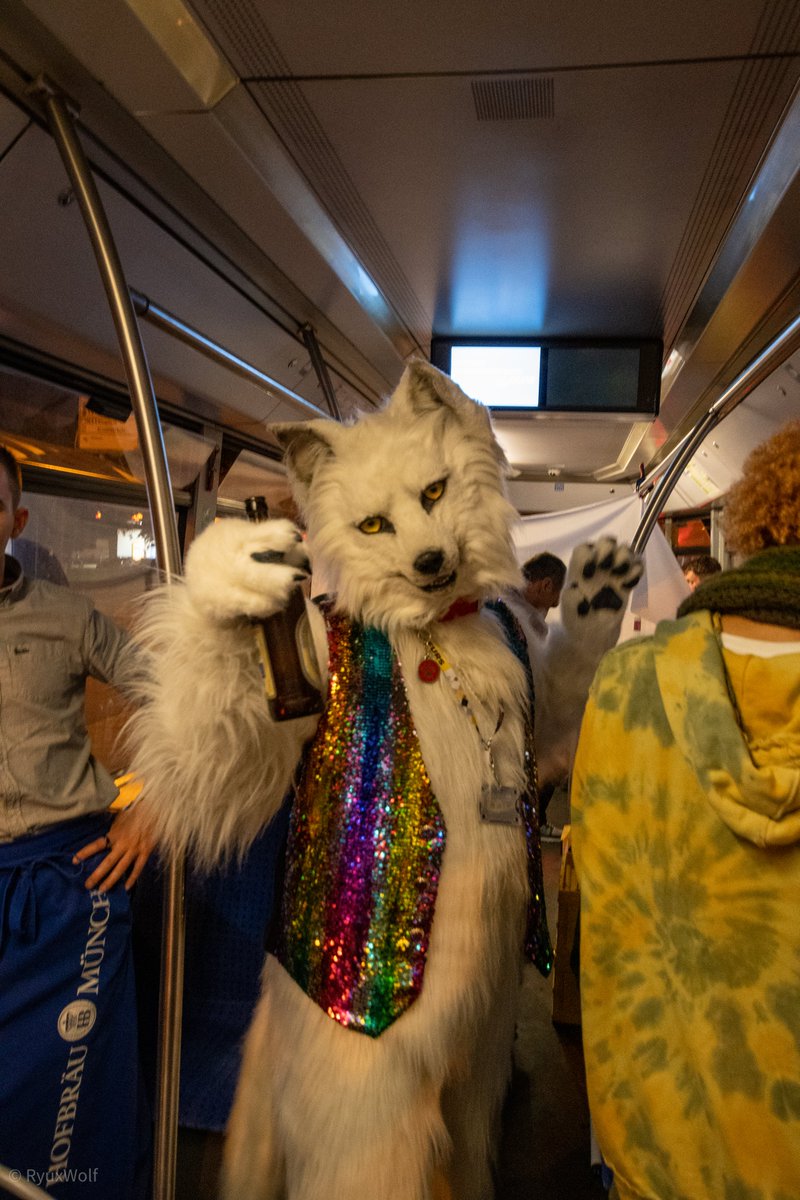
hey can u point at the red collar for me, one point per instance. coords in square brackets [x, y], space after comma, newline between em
[460, 608]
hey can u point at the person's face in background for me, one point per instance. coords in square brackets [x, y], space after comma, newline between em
[543, 594]
[692, 578]
[12, 521]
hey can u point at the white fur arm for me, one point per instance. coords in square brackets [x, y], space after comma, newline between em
[215, 767]
[593, 602]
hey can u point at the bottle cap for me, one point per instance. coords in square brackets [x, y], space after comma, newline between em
[256, 508]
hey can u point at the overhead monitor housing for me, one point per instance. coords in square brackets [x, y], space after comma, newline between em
[555, 375]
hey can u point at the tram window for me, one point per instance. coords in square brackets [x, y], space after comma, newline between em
[104, 551]
[55, 429]
[90, 527]
[76, 538]
[52, 428]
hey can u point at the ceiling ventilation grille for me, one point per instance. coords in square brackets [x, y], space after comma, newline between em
[517, 99]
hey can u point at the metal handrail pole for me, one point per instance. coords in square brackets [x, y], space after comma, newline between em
[309, 336]
[137, 371]
[160, 318]
[664, 488]
[754, 373]
[168, 556]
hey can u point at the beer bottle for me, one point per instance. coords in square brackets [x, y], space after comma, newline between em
[286, 649]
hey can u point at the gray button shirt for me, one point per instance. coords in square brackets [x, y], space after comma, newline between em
[51, 639]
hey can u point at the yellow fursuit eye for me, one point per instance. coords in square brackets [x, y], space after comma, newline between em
[371, 525]
[434, 491]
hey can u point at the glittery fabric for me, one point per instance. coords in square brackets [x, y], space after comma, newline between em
[538, 949]
[365, 844]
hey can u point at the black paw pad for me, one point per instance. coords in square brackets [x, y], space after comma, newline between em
[607, 598]
[589, 569]
[267, 556]
[583, 608]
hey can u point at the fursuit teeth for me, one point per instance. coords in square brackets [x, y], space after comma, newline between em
[365, 844]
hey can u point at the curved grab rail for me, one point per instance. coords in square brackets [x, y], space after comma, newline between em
[785, 343]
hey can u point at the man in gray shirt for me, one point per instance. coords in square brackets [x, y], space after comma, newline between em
[70, 1093]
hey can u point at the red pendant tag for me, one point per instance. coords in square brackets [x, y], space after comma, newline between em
[428, 670]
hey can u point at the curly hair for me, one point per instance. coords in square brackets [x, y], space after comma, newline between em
[763, 508]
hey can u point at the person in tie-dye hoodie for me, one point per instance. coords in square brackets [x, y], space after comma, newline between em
[686, 830]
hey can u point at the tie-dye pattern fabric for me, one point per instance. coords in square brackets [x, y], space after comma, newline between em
[365, 843]
[685, 814]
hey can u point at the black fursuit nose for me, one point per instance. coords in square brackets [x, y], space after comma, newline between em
[429, 563]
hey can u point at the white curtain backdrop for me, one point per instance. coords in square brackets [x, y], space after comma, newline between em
[661, 588]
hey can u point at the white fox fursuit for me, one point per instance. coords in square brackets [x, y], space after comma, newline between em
[405, 513]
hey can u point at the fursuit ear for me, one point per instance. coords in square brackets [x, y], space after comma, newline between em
[423, 389]
[305, 445]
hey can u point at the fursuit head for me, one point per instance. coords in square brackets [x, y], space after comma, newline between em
[380, 1047]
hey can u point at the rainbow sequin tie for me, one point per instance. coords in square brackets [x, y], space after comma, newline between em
[365, 843]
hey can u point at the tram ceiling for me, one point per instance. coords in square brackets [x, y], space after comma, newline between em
[52, 298]
[458, 169]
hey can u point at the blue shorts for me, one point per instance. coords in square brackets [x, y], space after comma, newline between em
[73, 1121]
